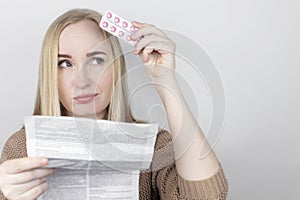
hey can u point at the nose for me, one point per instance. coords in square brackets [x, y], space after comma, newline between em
[82, 79]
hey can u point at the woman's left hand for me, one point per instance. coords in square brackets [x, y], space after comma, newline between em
[156, 50]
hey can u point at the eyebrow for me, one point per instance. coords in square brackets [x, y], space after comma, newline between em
[87, 55]
[64, 55]
[95, 53]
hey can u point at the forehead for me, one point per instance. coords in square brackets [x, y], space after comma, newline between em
[84, 35]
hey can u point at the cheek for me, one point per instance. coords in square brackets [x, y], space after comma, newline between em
[105, 83]
[65, 88]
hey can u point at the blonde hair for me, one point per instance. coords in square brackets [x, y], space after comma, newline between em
[47, 98]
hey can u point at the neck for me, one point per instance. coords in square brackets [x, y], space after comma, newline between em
[101, 115]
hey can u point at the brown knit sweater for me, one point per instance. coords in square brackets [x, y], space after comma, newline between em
[161, 182]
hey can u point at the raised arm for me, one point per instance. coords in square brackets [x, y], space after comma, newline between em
[157, 52]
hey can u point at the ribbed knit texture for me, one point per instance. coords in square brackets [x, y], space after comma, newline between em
[161, 181]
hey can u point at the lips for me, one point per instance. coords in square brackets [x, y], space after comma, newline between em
[85, 98]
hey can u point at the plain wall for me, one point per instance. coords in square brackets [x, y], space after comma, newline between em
[255, 47]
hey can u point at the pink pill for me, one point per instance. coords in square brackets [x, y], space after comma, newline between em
[124, 24]
[105, 24]
[108, 15]
[117, 20]
[121, 33]
[132, 29]
[113, 29]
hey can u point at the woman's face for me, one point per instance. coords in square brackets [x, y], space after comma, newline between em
[84, 70]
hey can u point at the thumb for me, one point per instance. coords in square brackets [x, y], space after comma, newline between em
[137, 24]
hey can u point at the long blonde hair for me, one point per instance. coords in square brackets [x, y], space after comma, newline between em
[47, 98]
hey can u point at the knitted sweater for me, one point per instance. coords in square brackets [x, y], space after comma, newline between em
[161, 182]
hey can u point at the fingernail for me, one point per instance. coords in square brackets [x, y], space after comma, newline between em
[44, 161]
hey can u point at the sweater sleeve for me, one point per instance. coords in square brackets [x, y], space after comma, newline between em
[15, 147]
[169, 185]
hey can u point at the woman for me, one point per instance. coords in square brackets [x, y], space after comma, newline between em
[81, 70]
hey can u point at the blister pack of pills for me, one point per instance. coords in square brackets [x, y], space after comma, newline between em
[117, 26]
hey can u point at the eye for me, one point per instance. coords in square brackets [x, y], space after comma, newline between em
[97, 61]
[64, 63]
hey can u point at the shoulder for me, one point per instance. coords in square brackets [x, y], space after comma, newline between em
[163, 151]
[163, 139]
[15, 146]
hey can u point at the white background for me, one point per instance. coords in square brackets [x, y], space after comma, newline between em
[255, 47]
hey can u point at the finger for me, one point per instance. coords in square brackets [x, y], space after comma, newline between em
[155, 49]
[35, 192]
[150, 51]
[28, 176]
[22, 188]
[23, 164]
[140, 24]
[147, 30]
[146, 40]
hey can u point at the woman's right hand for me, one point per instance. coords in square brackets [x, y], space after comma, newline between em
[24, 178]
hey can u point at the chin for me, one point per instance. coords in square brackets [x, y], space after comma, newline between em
[86, 111]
